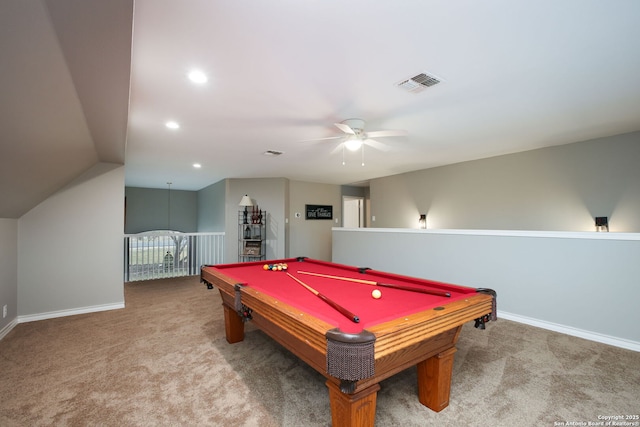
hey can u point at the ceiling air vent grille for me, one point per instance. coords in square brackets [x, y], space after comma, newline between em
[418, 83]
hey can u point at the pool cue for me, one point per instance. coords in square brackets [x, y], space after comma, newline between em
[384, 285]
[333, 304]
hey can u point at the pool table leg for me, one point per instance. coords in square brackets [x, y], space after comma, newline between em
[353, 410]
[434, 380]
[233, 325]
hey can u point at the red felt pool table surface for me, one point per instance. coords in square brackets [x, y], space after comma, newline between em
[356, 297]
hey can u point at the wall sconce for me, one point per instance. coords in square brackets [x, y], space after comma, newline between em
[246, 201]
[602, 223]
[423, 221]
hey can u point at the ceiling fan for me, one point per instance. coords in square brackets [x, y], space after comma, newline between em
[355, 137]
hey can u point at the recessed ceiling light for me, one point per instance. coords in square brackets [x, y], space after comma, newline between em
[197, 76]
[197, 165]
[172, 125]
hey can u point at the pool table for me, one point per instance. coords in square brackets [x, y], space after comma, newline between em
[317, 311]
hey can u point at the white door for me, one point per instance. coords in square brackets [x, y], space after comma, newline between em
[352, 212]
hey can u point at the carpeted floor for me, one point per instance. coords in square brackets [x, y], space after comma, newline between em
[164, 361]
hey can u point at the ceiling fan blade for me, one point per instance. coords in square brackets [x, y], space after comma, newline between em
[345, 128]
[338, 148]
[377, 145]
[321, 139]
[383, 133]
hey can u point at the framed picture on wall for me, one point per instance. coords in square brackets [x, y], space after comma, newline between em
[318, 211]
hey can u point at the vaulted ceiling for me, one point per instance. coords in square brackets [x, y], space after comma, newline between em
[64, 94]
[86, 81]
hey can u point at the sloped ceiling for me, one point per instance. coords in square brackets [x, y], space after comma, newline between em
[78, 86]
[64, 80]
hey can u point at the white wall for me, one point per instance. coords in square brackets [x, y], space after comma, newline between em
[583, 284]
[557, 188]
[8, 272]
[70, 248]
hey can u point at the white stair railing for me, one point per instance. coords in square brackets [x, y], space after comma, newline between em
[162, 254]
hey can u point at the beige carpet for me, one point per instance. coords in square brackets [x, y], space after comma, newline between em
[164, 361]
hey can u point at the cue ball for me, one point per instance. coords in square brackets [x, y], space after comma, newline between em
[376, 293]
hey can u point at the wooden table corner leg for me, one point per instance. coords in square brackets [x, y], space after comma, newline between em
[434, 380]
[353, 410]
[233, 325]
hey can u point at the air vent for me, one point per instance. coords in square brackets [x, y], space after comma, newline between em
[418, 83]
[272, 153]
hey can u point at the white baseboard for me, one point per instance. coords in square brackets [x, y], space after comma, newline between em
[70, 312]
[59, 313]
[4, 331]
[575, 332]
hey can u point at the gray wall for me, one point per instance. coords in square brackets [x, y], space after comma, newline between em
[282, 198]
[70, 248]
[148, 209]
[312, 238]
[583, 282]
[270, 194]
[215, 208]
[556, 188]
[8, 270]
[211, 207]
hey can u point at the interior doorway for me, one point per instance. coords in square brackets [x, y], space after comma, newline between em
[352, 212]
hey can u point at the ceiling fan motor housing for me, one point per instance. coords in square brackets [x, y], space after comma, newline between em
[357, 125]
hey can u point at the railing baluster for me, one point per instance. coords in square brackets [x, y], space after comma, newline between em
[158, 254]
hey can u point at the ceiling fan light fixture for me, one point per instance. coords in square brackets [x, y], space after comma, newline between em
[197, 76]
[353, 144]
